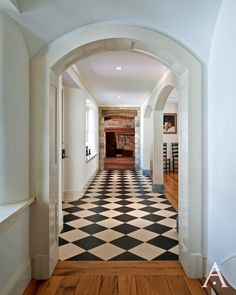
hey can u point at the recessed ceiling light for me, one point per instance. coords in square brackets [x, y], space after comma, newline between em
[118, 96]
[118, 68]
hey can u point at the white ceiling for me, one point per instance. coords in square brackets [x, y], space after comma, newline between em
[191, 22]
[128, 86]
[68, 81]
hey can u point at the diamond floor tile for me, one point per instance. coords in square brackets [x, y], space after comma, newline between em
[119, 218]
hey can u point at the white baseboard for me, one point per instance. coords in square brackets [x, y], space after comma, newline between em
[207, 266]
[53, 257]
[40, 267]
[61, 224]
[86, 186]
[191, 262]
[20, 280]
[70, 196]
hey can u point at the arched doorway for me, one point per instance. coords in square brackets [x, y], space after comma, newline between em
[44, 174]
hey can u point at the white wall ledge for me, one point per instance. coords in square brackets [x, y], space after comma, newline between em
[10, 210]
[89, 158]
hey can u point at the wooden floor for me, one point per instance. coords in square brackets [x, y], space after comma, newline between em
[120, 163]
[117, 278]
[171, 188]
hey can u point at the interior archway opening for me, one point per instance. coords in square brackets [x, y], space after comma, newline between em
[120, 199]
[171, 147]
[67, 55]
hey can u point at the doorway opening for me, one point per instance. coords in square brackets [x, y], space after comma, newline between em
[116, 216]
[60, 56]
[119, 142]
[171, 148]
[119, 138]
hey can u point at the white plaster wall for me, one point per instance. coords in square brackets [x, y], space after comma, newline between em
[15, 267]
[14, 113]
[93, 130]
[74, 138]
[222, 143]
[90, 168]
[144, 144]
[169, 138]
[77, 171]
[189, 22]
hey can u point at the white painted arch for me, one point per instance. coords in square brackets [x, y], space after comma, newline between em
[59, 55]
[153, 112]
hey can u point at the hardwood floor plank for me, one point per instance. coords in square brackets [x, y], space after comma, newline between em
[118, 267]
[120, 163]
[143, 285]
[178, 285]
[160, 285]
[32, 287]
[127, 285]
[68, 286]
[109, 285]
[49, 286]
[88, 285]
[117, 278]
[171, 188]
[194, 286]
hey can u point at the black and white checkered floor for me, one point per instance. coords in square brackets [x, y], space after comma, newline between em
[119, 218]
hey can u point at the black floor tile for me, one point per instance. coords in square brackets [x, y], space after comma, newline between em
[67, 228]
[153, 217]
[126, 242]
[92, 228]
[157, 228]
[163, 242]
[62, 242]
[88, 242]
[127, 256]
[69, 217]
[125, 228]
[96, 218]
[86, 256]
[167, 256]
[124, 217]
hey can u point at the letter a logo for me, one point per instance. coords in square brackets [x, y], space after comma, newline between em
[215, 272]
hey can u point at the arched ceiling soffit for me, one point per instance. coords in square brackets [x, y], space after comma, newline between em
[162, 97]
[148, 112]
[117, 44]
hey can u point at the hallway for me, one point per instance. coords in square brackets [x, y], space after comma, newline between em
[119, 218]
[66, 66]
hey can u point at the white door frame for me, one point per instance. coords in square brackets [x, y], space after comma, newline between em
[62, 53]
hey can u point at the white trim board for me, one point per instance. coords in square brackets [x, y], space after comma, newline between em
[10, 210]
[20, 280]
